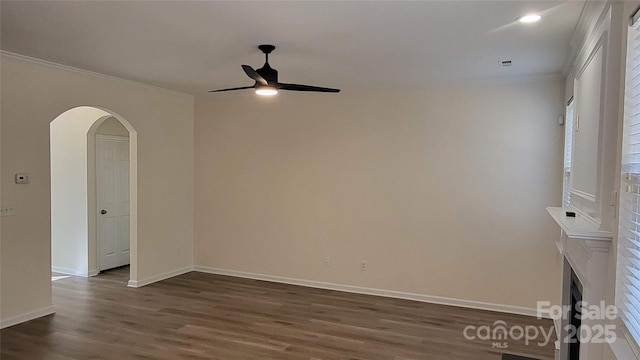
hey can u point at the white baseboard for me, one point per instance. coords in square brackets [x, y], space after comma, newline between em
[378, 292]
[15, 320]
[67, 271]
[556, 324]
[622, 347]
[93, 272]
[160, 277]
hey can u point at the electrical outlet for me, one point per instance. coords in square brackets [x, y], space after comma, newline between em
[363, 265]
[7, 210]
[327, 262]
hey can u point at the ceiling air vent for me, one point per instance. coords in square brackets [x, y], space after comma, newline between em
[506, 63]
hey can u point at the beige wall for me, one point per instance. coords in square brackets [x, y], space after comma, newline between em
[441, 191]
[34, 94]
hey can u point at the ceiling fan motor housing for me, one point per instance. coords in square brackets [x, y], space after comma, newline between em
[268, 73]
[267, 49]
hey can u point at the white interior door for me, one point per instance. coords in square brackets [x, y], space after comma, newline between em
[112, 184]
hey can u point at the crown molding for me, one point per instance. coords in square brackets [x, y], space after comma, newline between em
[76, 70]
[592, 15]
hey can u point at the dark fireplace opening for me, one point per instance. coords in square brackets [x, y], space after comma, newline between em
[575, 316]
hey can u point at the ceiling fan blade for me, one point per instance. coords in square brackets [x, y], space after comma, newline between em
[298, 87]
[230, 89]
[254, 75]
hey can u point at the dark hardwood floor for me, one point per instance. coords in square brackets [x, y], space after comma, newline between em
[204, 316]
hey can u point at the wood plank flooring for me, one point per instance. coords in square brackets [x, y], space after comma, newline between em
[204, 316]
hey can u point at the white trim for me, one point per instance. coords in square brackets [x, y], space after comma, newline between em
[160, 277]
[583, 194]
[92, 73]
[557, 324]
[67, 271]
[15, 320]
[591, 17]
[112, 137]
[580, 227]
[378, 292]
[622, 348]
[72, 272]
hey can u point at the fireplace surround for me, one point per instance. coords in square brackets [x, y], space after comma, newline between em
[575, 317]
[585, 252]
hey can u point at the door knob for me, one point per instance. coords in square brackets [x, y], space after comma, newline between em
[103, 212]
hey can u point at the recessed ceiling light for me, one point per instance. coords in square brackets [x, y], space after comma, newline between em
[529, 18]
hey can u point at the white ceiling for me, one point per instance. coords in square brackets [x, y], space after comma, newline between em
[195, 46]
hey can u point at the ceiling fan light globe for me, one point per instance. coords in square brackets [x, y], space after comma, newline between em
[266, 91]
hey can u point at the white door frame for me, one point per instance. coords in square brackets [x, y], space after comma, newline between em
[97, 208]
[133, 196]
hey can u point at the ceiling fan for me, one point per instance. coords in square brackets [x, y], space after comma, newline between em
[266, 79]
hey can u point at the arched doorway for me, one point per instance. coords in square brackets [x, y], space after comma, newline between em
[75, 240]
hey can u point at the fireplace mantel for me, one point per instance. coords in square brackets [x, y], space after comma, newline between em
[579, 227]
[585, 249]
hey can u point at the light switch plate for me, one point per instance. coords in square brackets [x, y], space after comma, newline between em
[7, 210]
[22, 178]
